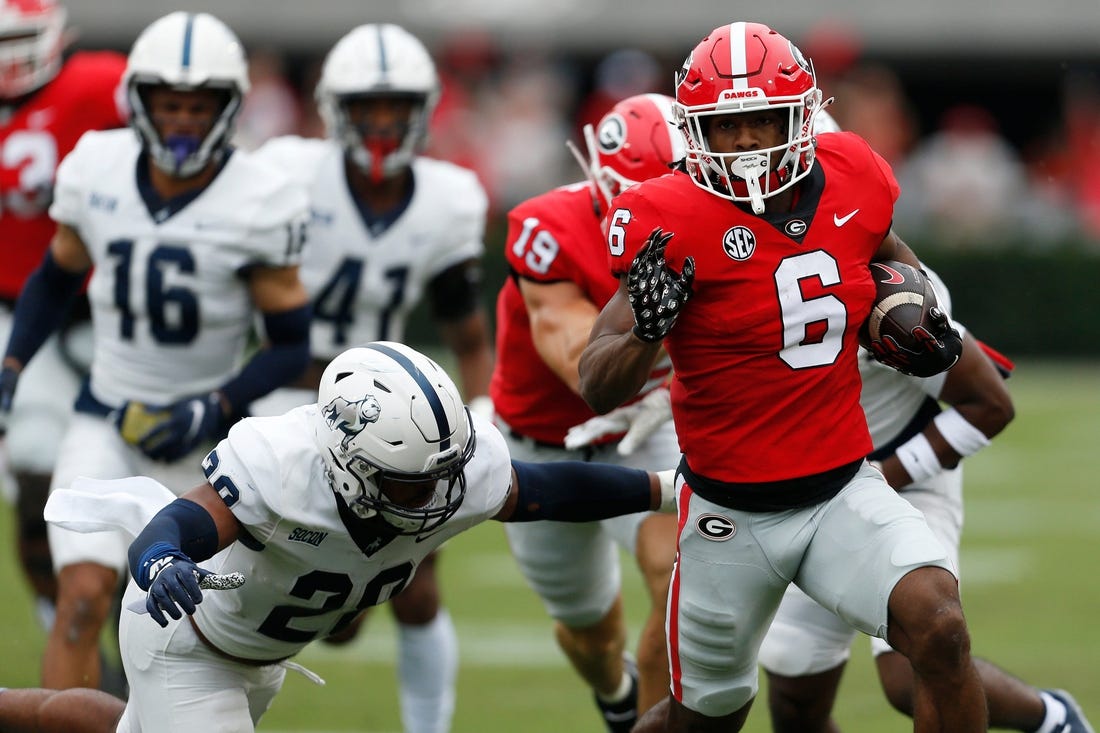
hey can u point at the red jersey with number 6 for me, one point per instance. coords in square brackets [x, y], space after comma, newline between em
[766, 383]
[40, 132]
[553, 237]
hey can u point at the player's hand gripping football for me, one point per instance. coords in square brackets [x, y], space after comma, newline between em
[935, 349]
[657, 294]
[168, 434]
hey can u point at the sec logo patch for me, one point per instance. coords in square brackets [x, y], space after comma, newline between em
[715, 527]
[739, 243]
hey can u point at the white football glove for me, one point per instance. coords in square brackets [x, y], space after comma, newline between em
[638, 420]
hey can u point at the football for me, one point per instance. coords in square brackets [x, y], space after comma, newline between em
[903, 299]
[907, 330]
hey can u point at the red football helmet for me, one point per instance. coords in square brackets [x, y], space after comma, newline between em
[31, 40]
[638, 139]
[744, 67]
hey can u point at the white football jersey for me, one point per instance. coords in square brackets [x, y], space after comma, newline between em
[170, 306]
[891, 399]
[305, 571]
[366, 277]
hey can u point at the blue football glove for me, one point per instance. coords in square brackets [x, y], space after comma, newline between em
[8, 379]
[170, 433]
[657, 293]
[172, 580]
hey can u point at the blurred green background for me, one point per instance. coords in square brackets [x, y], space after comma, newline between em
[1029, 586]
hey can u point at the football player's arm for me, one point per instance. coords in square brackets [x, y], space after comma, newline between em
[455, 296]
[616, 363]
[575, 491]
[979, 407]
[282, 300]
[561, 318]
[893, 248]
[162, 558]
[46, 296]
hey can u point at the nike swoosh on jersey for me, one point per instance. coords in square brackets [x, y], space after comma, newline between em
[842, 220]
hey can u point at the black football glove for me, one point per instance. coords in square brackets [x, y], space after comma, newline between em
[8, 379]
[936, 350]
[170, 433]
[657, 293]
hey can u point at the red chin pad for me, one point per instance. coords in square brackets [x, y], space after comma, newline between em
[379, 148]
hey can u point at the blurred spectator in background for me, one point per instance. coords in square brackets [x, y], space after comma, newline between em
[835, 48]
[964, 183]
[620, 74]
[871, 102]
[524, 125]
[271, 107]
[1065, 168]
[468, 60]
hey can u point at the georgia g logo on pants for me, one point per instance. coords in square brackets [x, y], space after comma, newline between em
[715, 527]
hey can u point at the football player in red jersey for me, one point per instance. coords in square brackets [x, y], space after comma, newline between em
[545, 312]
[46, 104]
[751, 266]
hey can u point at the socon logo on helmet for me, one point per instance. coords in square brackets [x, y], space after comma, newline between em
[351, 418]
[715, 527]
[612, 134]
[739, 243]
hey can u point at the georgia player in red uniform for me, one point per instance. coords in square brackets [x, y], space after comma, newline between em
[751, 267]
[46, 104]
[559, 282]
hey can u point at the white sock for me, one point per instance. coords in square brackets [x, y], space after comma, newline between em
[619, 694]
[1056, 713]
[427, 664]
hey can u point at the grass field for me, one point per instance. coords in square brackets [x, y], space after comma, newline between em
[1030, 589]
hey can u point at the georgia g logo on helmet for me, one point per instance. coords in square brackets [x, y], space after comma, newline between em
[351, 418]
[612, 134]
[799, 58]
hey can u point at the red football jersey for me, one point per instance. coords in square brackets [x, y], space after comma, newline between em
[766, 386]
[553, 237]
[85, 95]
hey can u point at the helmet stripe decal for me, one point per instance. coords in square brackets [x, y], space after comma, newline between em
[383, 64]
[425, 387]
[737, 56]
[185, 62]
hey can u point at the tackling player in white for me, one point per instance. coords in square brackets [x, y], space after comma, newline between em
[326, 510]
[390, 228]
[189, 241]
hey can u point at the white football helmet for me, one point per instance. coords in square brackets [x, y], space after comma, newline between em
[186, 51]
[382, 60]
[387, 412]
[31, 39]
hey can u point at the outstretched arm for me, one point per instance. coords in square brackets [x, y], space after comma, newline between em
[162, 558]
[575, 491]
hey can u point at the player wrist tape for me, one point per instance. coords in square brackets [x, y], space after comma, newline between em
[959, 433]
[918, 458]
